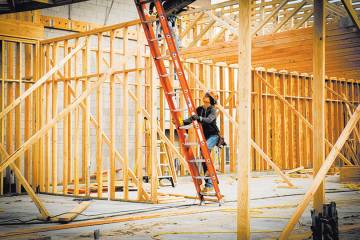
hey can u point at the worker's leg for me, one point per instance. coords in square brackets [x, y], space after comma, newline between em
[211, 143]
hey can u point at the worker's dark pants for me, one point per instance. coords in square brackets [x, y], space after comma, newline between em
[211, 143]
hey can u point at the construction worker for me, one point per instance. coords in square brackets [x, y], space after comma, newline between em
[206, 115]
[172, 9]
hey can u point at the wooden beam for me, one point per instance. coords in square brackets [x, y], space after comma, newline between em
[243, 112]
[321, 174]
[41, 81]
[236, 125]
[318, 97]
[190, 26]
[43, 211]
[68, 217]
[299, 115]
[304, 19]
[352, 13]
[269, 17]
[290, 15]
[41, 132]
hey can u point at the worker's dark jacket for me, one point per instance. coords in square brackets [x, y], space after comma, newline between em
[207, 120]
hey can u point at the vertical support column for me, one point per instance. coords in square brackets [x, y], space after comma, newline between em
[2, 106]
[126, 118]
[222, 102]
[153, 134]
[112, 123]
[76, 128]
[54, 129]
[318, 105]
[85, 124]
[99, 99]
[47, 119]
[138, 116]
[243, 112]
[27, 112]
[66, 125]
[18, 76]
[40, 120]
[231, 125]
[10, 99]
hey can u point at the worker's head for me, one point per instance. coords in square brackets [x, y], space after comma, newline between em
[209, 99]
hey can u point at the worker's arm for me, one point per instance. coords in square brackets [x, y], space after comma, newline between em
[210, 118]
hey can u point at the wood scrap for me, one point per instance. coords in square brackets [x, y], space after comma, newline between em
[294, 170]
[68, 217]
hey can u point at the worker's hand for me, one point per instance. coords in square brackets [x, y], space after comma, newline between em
[195, 117]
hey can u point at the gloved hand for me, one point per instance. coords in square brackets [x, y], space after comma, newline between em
[195, 117]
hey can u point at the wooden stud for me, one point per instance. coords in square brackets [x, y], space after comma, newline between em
[318, 179]
[66, 159]
[10, 99]
[112, 123]
[85, 124]
[18, 75]
[54, 107]
[27, 112]
[243, 112]
[319, 98]
[76, 130]
[99, 100]
[47, 118]
[125, 124]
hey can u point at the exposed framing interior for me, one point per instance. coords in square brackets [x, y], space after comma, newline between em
[92, 65]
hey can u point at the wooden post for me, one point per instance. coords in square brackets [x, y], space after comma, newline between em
[2, 122]
[318, 179]
[18, 76]
[48, 117]
[10, 99]
[111, 188]
[99, 99]
[153, 145]
[54, 130]
[243, 112]
[318, 96]
[27, 110]
[65, 126]
[125, 133]
[138, 115]
[76, 129]
[85, 124]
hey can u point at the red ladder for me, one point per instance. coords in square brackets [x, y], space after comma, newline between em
[192, 161]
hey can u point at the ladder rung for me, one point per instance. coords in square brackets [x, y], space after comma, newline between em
[144, 1]
[178, 110]
[189, 144]
[197, 160]
[164, 75]
[185, 127]
[166, 177]
[161, 57]
[157, 39]
[202, 177]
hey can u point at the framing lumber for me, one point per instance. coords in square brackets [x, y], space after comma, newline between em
[290, 15]
[299, 115]
[321, 174]
[236, 125]
[41, 132]
[43, 211]
[40, 81]
[68, 217]
[352, 13]
[243, 112]
[269, 17]
[318, 96]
